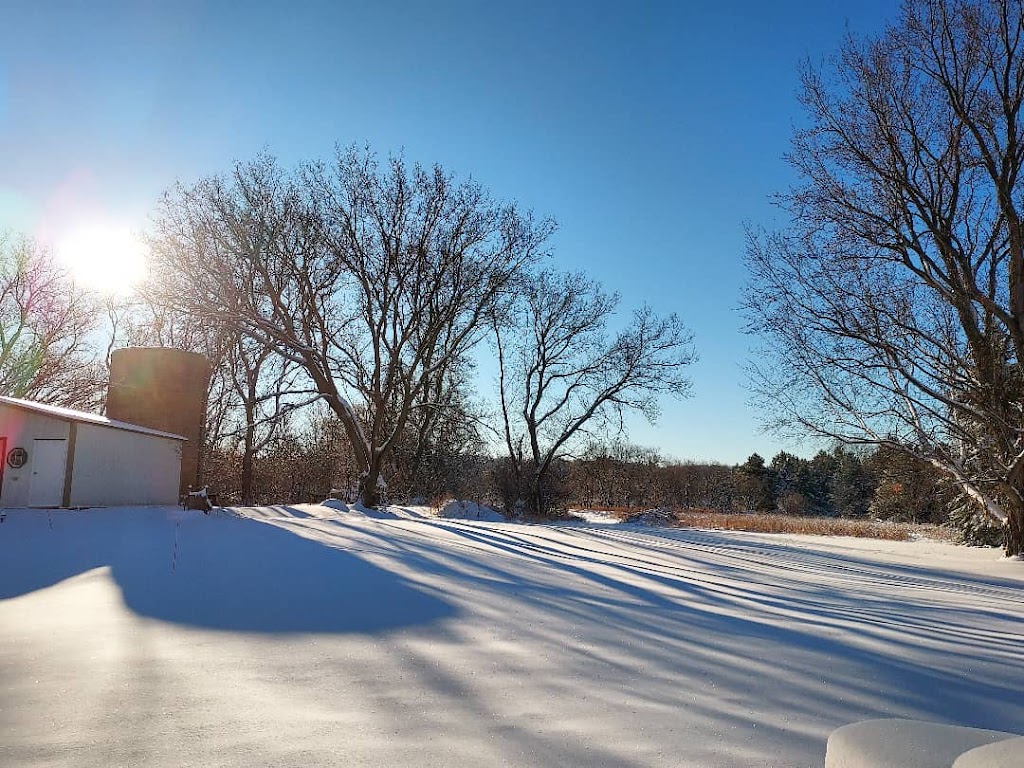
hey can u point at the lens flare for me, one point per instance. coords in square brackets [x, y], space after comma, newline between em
[106, 258]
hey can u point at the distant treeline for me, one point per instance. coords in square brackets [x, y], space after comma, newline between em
[309, 463]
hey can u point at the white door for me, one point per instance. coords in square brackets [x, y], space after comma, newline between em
[48, 461]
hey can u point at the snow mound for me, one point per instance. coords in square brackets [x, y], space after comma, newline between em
[412, 511]
[596, 516]
[358, 509]
[451, 510]
[454, 509]
[910, 744]
[659, 516]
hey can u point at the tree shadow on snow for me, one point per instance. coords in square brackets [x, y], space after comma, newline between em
[213, 573]
[817, 629]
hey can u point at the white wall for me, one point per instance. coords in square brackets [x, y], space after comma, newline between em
[116, 467]
[21, 427]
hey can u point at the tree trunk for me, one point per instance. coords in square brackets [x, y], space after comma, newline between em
[537, 500]
[1013, 532]
[369, 492]
[248, 451]
[370, 483]
[247, 477]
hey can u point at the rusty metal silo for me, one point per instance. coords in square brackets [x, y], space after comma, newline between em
[164, 389]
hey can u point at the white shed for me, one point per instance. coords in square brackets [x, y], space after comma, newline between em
[58, 457]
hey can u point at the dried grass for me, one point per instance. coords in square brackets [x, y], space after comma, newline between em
[774, 523]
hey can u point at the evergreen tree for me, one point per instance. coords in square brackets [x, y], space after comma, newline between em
[754, 485]
[852, 487]
[822, 470]
[791, 484]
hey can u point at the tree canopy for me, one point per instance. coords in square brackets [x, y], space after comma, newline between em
[375, 278]
[892, 306]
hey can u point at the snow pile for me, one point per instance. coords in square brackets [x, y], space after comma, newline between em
[412, 511]
[596, 516]
[384, 513]
[902, 742]
[468, 510]
[659, 516]
[452, 509]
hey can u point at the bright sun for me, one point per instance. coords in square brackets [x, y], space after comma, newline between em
[107, 258]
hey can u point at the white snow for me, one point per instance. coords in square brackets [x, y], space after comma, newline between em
[332, 635]
[468, 510]
[595, 516]
[450, 509]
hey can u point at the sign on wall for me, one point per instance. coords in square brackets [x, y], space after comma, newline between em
[17, 458]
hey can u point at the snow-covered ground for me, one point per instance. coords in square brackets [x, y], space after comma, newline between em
[312, 635]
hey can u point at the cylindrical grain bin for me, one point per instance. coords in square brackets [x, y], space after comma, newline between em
[164, 389]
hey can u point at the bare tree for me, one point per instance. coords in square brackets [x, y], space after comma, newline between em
[443, 438]
[892, 309]
[372, 279]
[251, 389]
[305, 459]
[616, 474]
[46, 352]
[265, 387]
[562, 377]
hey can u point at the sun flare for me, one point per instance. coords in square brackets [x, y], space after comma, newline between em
[106, 258]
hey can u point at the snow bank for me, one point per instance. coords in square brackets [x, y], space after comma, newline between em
[383, 513]
[468, 510]
[1002, 754]
[898, 743]
[450, 510]
[595, 516]
[659, 516]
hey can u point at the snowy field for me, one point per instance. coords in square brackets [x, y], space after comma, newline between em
[310, 636]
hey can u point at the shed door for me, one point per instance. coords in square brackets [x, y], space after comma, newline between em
[46, 487]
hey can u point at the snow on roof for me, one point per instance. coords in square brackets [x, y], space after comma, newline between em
[83, 417]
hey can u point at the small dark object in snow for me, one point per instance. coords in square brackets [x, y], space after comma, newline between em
[199, 499]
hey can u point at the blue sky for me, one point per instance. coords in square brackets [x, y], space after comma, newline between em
[650, 130]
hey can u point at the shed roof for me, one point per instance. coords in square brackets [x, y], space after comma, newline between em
[68, 414]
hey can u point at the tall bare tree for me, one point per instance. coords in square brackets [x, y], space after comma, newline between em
[264, 388]
[372, 279]
[562, 377]
[443, 436]
[892, 308]
[46, 321]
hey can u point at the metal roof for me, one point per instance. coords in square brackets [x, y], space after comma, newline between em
[68, 414]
